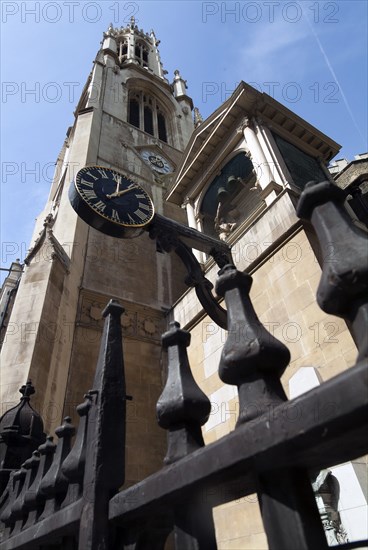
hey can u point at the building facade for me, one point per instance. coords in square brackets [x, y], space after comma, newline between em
[235, 176]
[132, 119]
[272, 154]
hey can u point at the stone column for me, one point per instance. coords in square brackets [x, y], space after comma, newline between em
[192, 222]
[188, 204]
[261, 166]
[271, 152]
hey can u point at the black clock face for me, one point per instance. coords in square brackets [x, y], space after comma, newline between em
[109, 201]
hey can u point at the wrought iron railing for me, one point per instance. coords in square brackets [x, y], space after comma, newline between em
[68, 497]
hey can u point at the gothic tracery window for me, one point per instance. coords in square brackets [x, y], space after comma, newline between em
[122, 51]
[134, 117]
[145, 112]
[141, 54]
[161, 127]
[148, 120]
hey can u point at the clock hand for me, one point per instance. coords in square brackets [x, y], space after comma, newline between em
[120, 193]
[118, 184]
[115, 193]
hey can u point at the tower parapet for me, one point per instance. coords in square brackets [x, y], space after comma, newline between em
[132, 45]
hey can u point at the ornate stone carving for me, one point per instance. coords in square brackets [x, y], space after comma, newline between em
[245, 123]
[137, 321]
[326, 490]
[185, 202]
[224, 229]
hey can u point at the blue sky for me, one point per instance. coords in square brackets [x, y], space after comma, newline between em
[311, 56]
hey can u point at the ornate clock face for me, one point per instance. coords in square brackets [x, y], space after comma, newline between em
[157, 162]
[110, 201]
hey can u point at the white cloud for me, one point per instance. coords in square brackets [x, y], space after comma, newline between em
[274, 51]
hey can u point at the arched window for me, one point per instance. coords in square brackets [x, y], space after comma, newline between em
[122, 51]
[146, 113]
[141, 54]
[134, 113]
[161, 127]
[148, 120]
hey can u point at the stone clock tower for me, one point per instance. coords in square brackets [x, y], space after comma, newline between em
[131, 119]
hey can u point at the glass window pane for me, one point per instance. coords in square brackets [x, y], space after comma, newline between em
[148, 121]
[161, 127]
[134, 112]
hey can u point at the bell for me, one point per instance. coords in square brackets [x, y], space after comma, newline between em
[222, 193]
[232, 183]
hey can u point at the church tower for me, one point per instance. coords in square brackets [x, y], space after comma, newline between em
[131, 119]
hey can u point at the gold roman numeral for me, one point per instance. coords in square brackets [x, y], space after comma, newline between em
[87, 183]
[89, 194]
[115, 216]
[144, 206]
[99, 205]
[103, 173]
[141, 215]
[91, 176]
